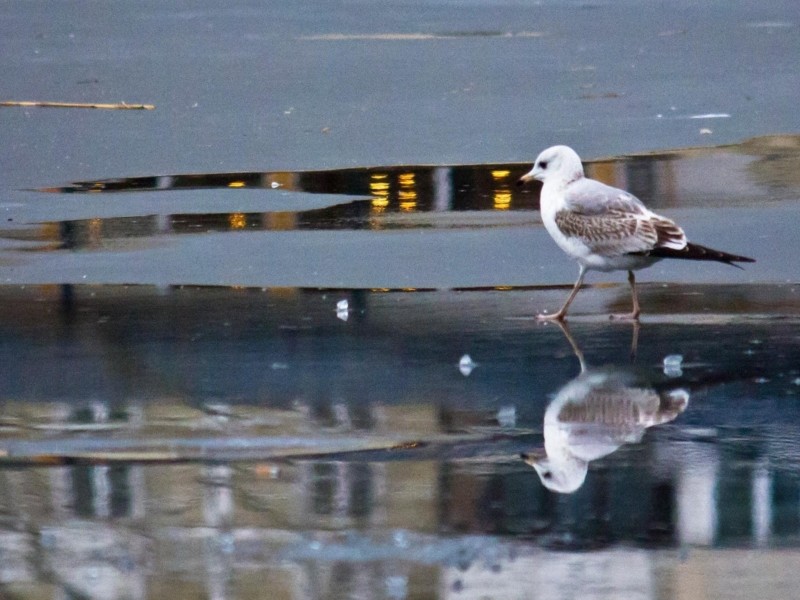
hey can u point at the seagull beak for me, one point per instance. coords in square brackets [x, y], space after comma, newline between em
[528, 177]
[534, 456]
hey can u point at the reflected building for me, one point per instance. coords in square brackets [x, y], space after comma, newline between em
[384, 197]
[136, 531]
[87, 527]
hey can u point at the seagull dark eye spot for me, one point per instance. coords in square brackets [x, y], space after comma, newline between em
[542, 164]
[547, 475]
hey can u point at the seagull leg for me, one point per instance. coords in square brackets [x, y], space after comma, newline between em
[634, 314]
[559, 316]
[575, 348]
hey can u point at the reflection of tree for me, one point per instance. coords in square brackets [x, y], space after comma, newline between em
[593, 415]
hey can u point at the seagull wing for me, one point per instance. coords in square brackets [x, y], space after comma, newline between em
[612, 222]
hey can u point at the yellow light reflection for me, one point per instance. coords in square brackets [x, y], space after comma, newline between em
[408, 200]
[380, 203]
[237, 220]
[407, 194]
[500, 174]
[379, 188]
[237, 184]
[502, 199]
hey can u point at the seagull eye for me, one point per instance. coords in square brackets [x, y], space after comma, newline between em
[543, 164]
[547, 475]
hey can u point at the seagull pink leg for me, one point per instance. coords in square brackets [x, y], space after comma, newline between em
[561, 314]
[634, 314]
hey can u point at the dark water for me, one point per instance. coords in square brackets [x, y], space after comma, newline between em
[189, 409]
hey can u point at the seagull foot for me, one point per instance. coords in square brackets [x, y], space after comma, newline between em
[634, 316]
[554, 317]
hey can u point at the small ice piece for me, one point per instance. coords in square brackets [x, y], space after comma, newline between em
[274, 185]
[342, 310]
[507, 416]
[466, 366]
[672, 365]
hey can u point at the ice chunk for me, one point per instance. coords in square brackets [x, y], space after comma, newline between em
[342, 310]
[672, 365]
[466, 365]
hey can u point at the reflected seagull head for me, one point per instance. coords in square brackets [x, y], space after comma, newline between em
[563, 474]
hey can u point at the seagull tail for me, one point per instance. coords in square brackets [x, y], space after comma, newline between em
[697, 252]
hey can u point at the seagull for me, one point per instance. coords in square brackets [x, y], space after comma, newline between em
[605, 228]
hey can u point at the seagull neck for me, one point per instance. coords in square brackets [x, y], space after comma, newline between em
[573, 177]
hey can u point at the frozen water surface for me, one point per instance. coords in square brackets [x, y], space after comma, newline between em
[234, 331]
[200, 398]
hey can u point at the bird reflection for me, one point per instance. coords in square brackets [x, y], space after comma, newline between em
[596, 413]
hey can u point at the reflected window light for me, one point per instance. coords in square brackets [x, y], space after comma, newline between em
[379, 188]
[237, 184]
[379, 204]
[408, 200]
[407, 194]
[406, 179]
[502, 199]
[237, 220]
[500, 174]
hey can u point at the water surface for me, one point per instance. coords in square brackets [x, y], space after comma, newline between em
[190, 407]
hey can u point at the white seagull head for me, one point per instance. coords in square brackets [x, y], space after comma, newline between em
[556, 163]
[562, 474]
